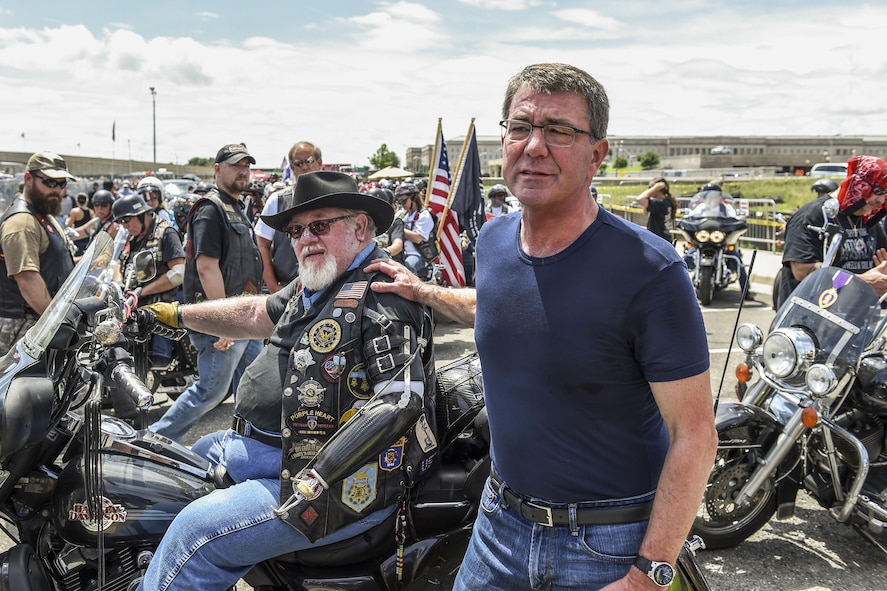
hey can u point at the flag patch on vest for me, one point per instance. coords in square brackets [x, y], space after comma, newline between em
[353, 291]
[360, 489]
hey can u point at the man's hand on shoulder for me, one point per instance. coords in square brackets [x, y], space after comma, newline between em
[405, 284]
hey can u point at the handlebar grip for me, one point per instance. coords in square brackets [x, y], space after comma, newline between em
[129, 383]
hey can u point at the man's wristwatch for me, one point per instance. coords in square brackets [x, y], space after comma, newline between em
[661, 573]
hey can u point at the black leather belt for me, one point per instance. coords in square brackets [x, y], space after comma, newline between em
[243, 427]
[560, 515]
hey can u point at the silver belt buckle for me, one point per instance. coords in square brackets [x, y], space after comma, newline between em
[549, 520]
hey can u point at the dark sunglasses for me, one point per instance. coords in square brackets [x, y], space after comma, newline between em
[317, 227]
[52, 183]
[876, 190]
[125, 219]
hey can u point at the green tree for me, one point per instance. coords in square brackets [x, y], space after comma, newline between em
[620, 162]
[198, 161]
[384, 158]
[649, 160]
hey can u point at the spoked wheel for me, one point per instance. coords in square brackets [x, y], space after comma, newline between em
[706, 289]
[721, 522]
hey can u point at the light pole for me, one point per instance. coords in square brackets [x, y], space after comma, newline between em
[154, 122]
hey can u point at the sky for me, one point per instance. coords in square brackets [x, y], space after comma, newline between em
[352, 75]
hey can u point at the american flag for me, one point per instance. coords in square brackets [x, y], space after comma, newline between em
[448, 235]
[287, 171]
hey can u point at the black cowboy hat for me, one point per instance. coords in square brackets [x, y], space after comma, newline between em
[316, 190]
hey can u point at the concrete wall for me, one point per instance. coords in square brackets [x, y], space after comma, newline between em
[85, 166]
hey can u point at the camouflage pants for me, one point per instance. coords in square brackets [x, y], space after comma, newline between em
[11, 330]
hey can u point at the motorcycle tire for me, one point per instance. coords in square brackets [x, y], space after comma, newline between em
[706, 290]
[720, 522]
[776, 281]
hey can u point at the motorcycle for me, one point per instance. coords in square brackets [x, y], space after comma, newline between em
[181, 369]
[86, 498]
[814, 419]
[711, 239]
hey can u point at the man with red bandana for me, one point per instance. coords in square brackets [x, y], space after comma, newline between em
[861, 199]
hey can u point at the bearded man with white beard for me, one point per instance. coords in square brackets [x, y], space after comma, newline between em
[345, 369]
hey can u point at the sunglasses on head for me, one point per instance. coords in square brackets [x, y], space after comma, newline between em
[317, 227]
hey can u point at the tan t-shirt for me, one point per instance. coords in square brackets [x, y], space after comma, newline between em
[23, 240]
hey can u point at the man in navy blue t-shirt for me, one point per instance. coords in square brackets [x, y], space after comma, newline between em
[599, 399]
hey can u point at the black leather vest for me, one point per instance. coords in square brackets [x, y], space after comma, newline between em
[154, 244]
[326, 383]
[240, 263]
[55, 264]
[283, 257]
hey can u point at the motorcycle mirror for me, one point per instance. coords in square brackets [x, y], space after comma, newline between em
[145, 266]
[830, 208]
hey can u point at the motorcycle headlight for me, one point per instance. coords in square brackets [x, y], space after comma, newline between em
[702, 236]
[787, 352]
[749, 337]
[821, 379]
[718, 236]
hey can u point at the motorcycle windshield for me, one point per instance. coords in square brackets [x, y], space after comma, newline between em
[838, 309]
[89, 277]
[711, 201]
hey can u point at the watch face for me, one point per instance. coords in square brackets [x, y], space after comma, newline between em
[662, 574]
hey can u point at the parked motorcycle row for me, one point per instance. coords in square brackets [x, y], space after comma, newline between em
[86, 498]
[812, 414]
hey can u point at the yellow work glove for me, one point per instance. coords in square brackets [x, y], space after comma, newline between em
[167, 313]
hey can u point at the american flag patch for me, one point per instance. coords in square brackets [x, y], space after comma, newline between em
[353, 291]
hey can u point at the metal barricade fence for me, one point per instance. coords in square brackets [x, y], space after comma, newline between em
[763, 222]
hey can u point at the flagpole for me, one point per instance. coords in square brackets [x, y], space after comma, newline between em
[433, 165]
[456, 177]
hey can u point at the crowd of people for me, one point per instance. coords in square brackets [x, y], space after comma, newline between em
[308, 300]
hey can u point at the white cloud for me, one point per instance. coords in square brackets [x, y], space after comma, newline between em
[591, 19]
[352, 82]
[207, 16]
[503, 4]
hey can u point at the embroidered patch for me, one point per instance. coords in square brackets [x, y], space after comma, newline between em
[424, 435]
[311, 393]
[392, 458]
[311, 422]
[309, 515]
[350, 317]
[358, 383]
[359, 490]
[345, 303]
[304, 449]
[325, 335]
[353, 291]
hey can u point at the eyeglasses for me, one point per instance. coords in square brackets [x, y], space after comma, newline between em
[52, 183]
[101, 205]
[317, 227]
[306, 162]
[125, 219]
[148, 194]
[561, 136]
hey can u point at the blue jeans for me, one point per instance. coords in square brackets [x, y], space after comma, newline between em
[510, 553]
[415, 263]
[217, 370]
[218, 538]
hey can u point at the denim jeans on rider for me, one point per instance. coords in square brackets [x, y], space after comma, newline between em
[415, 263]
[216, 371]
[217, 539]
[510, 553]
